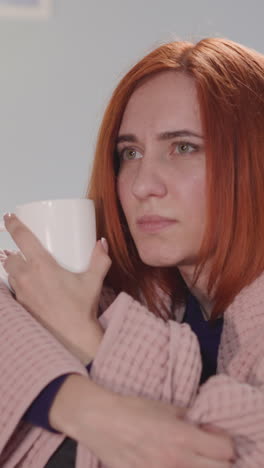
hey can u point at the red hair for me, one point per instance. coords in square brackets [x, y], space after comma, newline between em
[230, 86]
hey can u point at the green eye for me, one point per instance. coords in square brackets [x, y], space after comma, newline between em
[129, 154]
[185, 148]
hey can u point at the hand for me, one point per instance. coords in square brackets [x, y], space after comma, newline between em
[132, 432]
[154, 434]
[66, 303]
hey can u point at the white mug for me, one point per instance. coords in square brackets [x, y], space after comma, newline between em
[66, 228]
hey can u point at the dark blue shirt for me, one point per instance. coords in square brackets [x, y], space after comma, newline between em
[208, 334]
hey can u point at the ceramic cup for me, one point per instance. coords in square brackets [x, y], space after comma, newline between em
[66, 228]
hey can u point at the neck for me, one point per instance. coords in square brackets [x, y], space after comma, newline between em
[199, 290]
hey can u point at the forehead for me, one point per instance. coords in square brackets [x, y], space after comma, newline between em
[167, 101]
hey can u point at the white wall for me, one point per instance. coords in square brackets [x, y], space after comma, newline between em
[57, 75]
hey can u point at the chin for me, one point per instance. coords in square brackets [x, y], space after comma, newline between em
[158, 259]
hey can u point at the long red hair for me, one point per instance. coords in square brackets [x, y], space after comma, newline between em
[230, 86]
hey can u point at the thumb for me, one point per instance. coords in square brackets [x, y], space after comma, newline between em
[100, 262]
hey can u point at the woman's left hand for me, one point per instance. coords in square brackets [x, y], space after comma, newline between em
[65, 303]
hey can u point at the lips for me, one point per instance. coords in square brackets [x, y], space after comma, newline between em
[154, 223]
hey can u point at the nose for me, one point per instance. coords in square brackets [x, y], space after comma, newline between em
[148, 179]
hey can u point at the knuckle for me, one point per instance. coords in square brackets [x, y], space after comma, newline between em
[6, 263]
[109, 262]
[22, 277]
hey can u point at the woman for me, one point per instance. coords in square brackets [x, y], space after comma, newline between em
[180, 156]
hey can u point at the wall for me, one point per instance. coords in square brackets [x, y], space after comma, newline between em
[57, 75]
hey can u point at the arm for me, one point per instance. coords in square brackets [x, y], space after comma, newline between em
[109, 424]
[130, 431]
[118, 426]
[157, 343]
[235, 402]
[30, 358]
[37, 413]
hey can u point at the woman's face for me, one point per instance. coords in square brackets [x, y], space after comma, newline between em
[161, 182]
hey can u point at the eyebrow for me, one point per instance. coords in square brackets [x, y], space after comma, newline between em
[161, 136]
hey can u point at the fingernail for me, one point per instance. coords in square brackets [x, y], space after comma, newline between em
[8, 216]
[104, 244]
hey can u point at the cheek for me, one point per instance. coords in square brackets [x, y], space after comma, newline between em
[193, 188]
[197, 203]
[192, 193]
[199, 192]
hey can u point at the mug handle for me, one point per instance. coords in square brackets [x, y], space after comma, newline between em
[3, 273]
